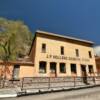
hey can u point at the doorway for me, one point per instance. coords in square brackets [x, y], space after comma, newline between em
[53, 72]
[84, 73]
[16, 71]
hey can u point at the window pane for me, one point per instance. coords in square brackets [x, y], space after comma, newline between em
[62, 68]
[90, 68]
[43, 47]
[73, 68]
[52, 67]
[90, 54]
[16, 71]
[62, 50]
[77, 53]
[42, 67]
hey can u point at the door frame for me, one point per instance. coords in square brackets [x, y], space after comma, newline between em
[84, 73]
[53, 74]
[16, 68]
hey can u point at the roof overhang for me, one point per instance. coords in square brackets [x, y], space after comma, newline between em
[17, 63]
[65, 37]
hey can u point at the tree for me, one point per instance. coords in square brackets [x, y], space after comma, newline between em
[16, 37]
[15, 41]
[5, 44]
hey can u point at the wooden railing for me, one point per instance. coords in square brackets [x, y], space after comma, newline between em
[58, 82]
[51, 82]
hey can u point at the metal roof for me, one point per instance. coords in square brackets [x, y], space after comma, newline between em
[62, 36]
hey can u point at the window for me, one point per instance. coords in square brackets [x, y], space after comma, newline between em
[62, 68]
[90, 54]
[90, 69]
[77, 53]
[62, 50]
[73, 68]
[52, 67]
[42, 67]
[43, 47]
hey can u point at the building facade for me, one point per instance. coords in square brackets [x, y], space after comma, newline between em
[98, 65]
[61, 56]
[16, 70]
[53, 55]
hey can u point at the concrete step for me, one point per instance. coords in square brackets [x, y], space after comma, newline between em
[4, 93]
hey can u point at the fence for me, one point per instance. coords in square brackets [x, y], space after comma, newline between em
[52, 82]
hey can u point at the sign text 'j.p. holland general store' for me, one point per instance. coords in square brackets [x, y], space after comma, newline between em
[49, 56]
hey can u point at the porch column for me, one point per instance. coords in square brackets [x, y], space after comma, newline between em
[48, 69]
[87, 70]
[95, 69]
[78, 68]
[68, 68]
[57, 69]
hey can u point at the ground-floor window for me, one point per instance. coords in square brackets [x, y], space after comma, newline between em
[16, 71]
[53, 67]
[42, 67]
[73, 68]
[90, 67]
[62, 68]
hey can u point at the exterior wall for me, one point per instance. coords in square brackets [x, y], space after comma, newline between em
[98, 65]
[53, 48]
[33, 50]
[98, 69]
[8, 72]
[26, 71]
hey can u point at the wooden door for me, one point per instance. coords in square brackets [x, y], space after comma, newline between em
[84, 73]
[53, 72]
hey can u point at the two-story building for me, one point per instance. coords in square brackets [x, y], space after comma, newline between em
[55, 55]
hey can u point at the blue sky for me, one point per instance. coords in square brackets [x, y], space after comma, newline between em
[78, 18]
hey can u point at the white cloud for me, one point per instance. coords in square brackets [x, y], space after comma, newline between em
[97, 50]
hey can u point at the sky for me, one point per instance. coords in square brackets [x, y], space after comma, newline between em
[76, 18]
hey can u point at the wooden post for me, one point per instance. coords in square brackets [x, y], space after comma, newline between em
[74, 81]
[22, 84]
[48, 82]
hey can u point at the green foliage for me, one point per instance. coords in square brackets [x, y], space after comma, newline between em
[15, 39]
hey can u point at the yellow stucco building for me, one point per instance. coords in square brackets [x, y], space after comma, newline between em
[53, 55]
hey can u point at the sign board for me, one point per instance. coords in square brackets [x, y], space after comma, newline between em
[49, 56]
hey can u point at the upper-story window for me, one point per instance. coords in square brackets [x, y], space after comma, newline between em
[62, 50]
[90, 54]
[43, 47]
[77, 52]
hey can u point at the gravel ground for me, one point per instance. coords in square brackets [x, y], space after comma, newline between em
[82, 94]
